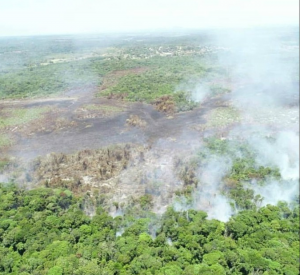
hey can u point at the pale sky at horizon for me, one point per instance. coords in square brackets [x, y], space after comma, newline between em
[37, 17]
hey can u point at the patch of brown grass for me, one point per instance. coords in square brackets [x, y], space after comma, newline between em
[165, 104]
[135, 121]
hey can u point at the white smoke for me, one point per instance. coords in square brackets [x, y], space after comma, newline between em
[282, 151]
[4, 178]
[200, 92]
[275, 191]
[207, 196]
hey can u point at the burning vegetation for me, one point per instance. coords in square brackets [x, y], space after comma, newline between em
[165, 104]
[143, 140]
[85, 169]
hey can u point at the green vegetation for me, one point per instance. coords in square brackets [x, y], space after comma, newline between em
[5, 140]
[244, 166]
[163, 77]
[14, 116]
[45, 80]
[236, 184]
[166, 64]
[165, 74]
[45, 231]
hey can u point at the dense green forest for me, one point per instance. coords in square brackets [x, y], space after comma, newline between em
[55, 231]
[46, 231]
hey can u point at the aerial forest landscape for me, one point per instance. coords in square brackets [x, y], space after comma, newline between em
[133, 149]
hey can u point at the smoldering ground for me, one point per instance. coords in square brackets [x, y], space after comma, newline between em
[262, 65]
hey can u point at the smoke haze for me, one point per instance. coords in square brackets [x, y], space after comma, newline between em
[33, 17]
[261, 62]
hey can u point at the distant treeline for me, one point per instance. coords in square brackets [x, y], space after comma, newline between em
[44, 66]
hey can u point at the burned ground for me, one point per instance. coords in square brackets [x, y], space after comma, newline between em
[87, 143]
[118, 148]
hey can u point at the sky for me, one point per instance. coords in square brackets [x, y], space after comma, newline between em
[40, 17]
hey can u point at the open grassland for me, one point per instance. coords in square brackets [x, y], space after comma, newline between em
[14, 117]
